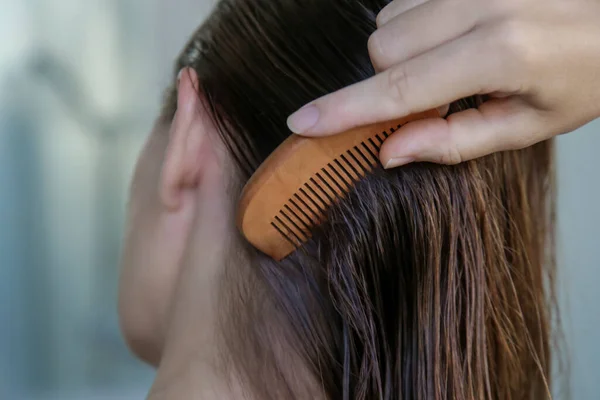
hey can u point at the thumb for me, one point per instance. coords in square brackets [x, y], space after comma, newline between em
[497, 125]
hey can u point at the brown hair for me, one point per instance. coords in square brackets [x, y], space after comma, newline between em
[427, 281]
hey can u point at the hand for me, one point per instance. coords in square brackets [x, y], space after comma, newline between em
[539, 60]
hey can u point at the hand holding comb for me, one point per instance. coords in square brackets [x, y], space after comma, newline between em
[290, 192]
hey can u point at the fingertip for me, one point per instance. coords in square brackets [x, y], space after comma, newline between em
[303, 120]
[411, 142]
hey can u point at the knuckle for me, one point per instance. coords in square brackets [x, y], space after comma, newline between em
[515, 46]
[451, 154]
[399, 87]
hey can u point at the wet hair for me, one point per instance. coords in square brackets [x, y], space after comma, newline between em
[426, 282]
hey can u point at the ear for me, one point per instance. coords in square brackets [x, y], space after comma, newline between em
[182, 163]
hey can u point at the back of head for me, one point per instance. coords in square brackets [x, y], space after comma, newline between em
[426, 282]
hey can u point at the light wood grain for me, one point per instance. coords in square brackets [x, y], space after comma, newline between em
[281, 193]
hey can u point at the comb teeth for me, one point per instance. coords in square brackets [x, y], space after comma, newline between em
[293, 189]
[325, 187]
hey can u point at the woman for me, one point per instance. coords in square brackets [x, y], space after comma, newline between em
[426, 281]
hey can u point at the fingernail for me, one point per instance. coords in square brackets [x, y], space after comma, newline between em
[303, 119]
[398, 161]
[179, 75]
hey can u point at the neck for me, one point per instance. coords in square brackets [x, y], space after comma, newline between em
[190, 364]
[194, 381]
[188, 367]
[194, 365]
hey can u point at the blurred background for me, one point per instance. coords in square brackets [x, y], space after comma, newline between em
[80, 85]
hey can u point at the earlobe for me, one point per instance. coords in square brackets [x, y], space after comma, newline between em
[181, 166]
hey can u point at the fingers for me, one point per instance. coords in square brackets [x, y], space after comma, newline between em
[499, 124]
[430, 80]
[420, 29]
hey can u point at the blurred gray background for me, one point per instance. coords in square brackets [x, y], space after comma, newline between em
[80, 85]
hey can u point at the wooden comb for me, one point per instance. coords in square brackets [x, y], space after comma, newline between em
[292, 189]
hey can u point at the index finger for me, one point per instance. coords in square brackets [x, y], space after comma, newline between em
[452, 71]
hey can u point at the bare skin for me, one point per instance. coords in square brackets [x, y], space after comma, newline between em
[177, 243]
